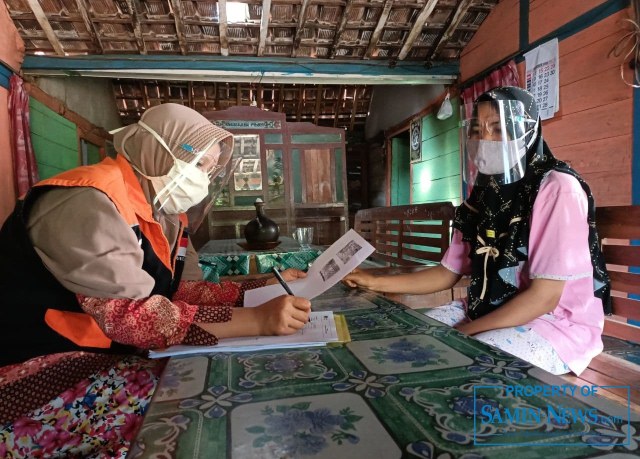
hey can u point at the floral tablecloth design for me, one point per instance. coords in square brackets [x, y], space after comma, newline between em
[405, 387]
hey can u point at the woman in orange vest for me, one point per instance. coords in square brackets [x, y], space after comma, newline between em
[98, 259]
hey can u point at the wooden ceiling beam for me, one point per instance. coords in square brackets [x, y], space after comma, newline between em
[91, 28]
[421, 20]
[302, 19]
[354, 108]
[137, 29]
[176, 7]
[454, 22]
[264, 26]
[318, 104]
[340, 30]
[222, 27]
[338, 104]
[41, 17]
[377, 32]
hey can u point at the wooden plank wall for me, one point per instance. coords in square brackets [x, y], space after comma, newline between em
[7, 185]
[436, 177]
[593, 128]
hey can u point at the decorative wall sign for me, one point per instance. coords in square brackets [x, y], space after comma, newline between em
[248, 124]
[415, 139]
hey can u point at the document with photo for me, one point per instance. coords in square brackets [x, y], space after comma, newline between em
[327, 270]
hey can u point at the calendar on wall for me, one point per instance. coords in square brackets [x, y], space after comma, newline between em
[542, 76]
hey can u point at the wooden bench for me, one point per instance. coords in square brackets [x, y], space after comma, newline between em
[411, 235]
[617, 227]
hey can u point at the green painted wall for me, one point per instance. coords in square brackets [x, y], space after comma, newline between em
[55, 140]
[400, 171]
[437, 177]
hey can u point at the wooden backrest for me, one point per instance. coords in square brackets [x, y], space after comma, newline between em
[619, 231]
[407, 235]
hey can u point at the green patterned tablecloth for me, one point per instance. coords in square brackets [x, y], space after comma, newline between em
[227, 258]
[299, 260]
[405, 387]
[224, 265]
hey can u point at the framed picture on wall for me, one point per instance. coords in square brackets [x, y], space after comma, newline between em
[415, 139]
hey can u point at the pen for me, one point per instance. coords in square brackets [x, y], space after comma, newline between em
[283, 283]
[281, 280]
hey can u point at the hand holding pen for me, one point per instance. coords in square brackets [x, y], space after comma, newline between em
[282, 282]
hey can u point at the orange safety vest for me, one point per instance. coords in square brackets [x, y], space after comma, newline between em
[116, 179]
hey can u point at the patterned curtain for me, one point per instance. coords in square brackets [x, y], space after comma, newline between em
[507, 75]
[25, 169]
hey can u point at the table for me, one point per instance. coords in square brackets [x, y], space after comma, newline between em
[226, 258]
[405, 387]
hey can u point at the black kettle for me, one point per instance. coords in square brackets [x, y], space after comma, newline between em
[261, 229]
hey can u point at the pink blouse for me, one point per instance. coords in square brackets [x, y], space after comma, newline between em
[558, 249]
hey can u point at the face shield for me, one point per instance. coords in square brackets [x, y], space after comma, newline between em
[493, 142]
[219, 179]
[196, 176]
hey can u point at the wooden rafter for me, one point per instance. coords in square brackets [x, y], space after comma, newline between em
[91, 29]
[354, 108]
[145, 94]
[281, 99]
[264, 25]
[222, 25]
[178, 17]
[300, 103]
[41, 17]
[336, 107]
[418, 25]
[302, 18]
[341, 27]
[190, 95]
[453, 25]
[318, 104]
[137, 29]
[377, 32]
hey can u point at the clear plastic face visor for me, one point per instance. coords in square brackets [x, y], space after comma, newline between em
[220, 176]
[492, 140]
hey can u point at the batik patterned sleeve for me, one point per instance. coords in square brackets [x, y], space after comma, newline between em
[148, 323]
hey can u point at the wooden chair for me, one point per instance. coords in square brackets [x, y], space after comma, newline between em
[617, 227]
[409, 235]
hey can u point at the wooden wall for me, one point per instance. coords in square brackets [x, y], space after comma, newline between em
[437, 176]
[593, 128]
[7, 184]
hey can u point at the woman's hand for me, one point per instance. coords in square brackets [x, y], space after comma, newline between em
[283, 315]
[288, 275]
[359, 278]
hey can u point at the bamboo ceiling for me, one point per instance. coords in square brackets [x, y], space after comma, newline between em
[429, 31]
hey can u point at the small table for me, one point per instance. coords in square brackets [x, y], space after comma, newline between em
[225, 257]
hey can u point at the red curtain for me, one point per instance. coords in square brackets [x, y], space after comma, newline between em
[507, 75]
[25, 169]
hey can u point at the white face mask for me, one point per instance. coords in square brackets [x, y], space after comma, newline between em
[493, 157]
[184, 186]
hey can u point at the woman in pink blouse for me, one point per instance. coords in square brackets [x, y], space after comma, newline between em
[526, 236]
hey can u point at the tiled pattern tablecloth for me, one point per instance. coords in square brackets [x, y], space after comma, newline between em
[405, 387]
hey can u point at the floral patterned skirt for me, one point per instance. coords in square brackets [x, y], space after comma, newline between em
[93, 405]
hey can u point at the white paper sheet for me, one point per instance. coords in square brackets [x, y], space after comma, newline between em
[327, 270]
[320, 330]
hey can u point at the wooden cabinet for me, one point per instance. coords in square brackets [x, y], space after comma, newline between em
[298, 169]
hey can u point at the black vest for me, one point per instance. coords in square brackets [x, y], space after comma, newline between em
[28, 289]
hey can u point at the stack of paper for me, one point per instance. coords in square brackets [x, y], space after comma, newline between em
[320, 331]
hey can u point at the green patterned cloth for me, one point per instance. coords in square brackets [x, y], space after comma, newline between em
[285, 260]
[406, 387]
[224, 265]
